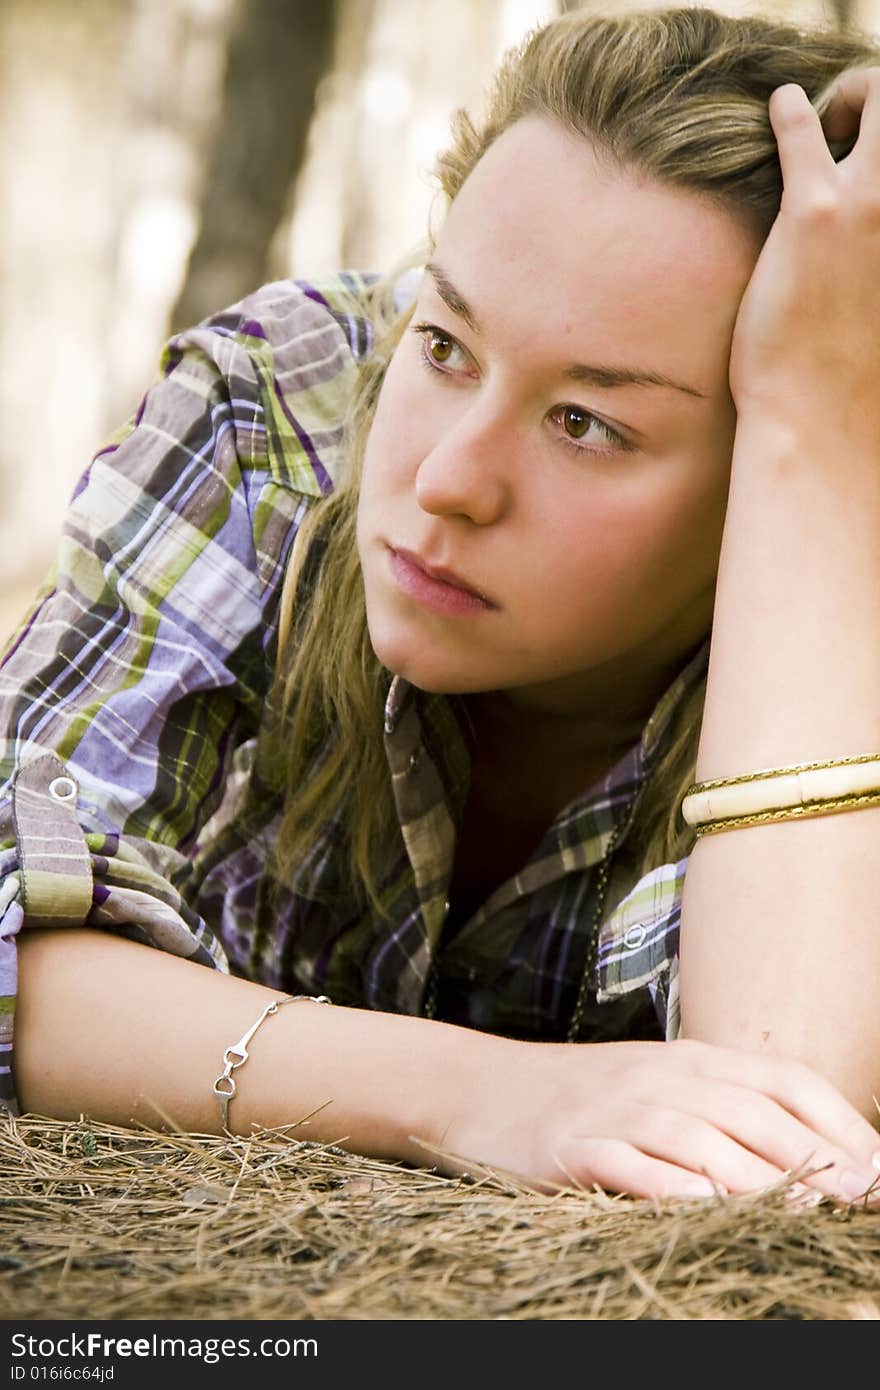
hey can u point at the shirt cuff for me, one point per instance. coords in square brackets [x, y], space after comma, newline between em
[54, 864]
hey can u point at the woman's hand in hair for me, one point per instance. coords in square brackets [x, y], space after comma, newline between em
[806, 350]
[658, 1120]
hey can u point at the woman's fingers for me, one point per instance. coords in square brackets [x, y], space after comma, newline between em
[808, 166]
[799, 1090]
[851, 118]
[618, 1166]
[741, 1119]
[746, 1140]
[681, 1145]
[853, 110]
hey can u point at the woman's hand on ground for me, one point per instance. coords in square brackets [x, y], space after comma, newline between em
[660, 1120]
[806, 339]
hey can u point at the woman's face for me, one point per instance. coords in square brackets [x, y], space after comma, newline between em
[555, 430]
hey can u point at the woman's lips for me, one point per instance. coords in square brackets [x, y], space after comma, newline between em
[435, 588]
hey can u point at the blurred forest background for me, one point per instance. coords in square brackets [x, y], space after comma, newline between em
[160, 158]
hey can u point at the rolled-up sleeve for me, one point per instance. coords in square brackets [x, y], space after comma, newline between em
[146, 658]
[639, 943]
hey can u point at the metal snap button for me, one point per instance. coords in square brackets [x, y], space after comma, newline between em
[62, 789]
[634, 936]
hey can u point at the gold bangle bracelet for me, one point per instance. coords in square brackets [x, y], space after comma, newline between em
[777, 789]
[783, 771]
[800, 812]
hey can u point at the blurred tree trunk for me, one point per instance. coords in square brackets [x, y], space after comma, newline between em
[359, 192]
[278, 52]
[844, 12]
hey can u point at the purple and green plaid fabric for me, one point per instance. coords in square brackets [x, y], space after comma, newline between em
[131, 699]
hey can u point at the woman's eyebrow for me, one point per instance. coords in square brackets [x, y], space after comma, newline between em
[626, 376]
[454, 301]
[595, 374]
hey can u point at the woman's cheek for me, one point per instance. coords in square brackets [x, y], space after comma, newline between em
[398, 437]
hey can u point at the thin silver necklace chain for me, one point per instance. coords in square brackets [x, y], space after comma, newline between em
[603, 879]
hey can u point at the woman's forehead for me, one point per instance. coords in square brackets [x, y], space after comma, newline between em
[546, 235]
[542, 190]
[548, 241]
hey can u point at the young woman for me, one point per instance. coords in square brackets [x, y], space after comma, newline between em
[386, 642]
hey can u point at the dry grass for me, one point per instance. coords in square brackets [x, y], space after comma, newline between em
[106, 1223]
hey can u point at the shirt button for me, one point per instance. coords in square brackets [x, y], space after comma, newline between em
[634, 937]
[414, 760]
[62, 789]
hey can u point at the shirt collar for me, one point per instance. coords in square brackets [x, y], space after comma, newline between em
[399, 695]
[660, 719]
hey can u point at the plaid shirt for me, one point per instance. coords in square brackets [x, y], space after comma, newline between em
[130, 704]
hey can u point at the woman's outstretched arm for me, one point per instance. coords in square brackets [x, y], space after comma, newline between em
[122, 1032]
[128, 1034]
[781, 922]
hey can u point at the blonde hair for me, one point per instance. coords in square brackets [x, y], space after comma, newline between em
[679, 94]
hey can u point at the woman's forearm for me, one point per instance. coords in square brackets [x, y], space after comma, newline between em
[126, 1033]
[781, 922]
[122, 1032]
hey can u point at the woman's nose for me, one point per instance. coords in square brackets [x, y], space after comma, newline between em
[466, 473]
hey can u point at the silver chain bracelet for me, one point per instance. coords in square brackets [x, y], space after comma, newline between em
[236, 1055]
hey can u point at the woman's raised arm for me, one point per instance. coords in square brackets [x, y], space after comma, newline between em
[781, 922]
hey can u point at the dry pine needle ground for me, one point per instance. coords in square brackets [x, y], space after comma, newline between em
[99, 1222]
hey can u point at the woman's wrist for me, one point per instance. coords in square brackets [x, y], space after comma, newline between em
[800, 442]
[386, 1085]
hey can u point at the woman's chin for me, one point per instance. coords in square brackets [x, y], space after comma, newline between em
[426, 669]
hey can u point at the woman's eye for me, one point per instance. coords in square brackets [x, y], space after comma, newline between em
[576, 422]
[440, 351]
[440, 346]
[584, 430]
